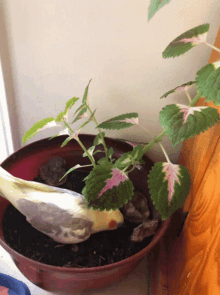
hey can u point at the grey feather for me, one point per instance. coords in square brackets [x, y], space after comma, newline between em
[48, 218]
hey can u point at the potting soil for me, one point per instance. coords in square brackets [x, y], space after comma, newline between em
[100, 249]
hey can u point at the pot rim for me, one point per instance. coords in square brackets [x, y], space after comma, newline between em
[163, 227]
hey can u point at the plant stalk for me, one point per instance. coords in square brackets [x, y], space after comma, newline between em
[189, 97]
[195, 99]
[155, 140]
[213, 47]
[100, 132]
[165, 153]
[85, 150]
[82, 145]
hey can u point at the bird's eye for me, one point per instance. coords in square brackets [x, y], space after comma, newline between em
[112, 224]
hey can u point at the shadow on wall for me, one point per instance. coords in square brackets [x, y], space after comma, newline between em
[8, 78]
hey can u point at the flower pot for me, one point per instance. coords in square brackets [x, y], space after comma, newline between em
[25, 164]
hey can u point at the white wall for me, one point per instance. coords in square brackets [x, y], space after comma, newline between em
[55, 47]
[6, 147]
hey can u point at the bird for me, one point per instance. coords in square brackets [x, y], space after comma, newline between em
[59, 213]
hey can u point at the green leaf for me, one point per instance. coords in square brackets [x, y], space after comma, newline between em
[208, 82]
[66, 141]
[120, 122]
[130, 158]
[169, 186]
[186, 41]
[184, 86]
[74, 168]
[182, 122]
[60, 117]
[124, 161]
[110, 153]
[154, 6]
[103, 161]
[90, 151]
[81, 114]
[39, 126]
[138, 152]
[85, 96]
[80, 107]
[52, 137]
[98, 138]
[88, 121]
[69, 104]
[107, 188]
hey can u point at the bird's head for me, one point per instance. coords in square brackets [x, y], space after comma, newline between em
[106, 220]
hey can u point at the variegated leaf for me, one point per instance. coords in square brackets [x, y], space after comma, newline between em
[66, 141]
[39, 126]
[208, 82]
[85, 96]
[110, 153]
[182, 122]
[88, 120]
[120, 122]
[184, 86]
[71, 103]
[107, 187]
[65, 131]
[72, 136]
[82, 113]
[169, 186]
[154, 6]
[74, 168]
[64, 115]
[186, 41]
[98, 138]
[60, 117]
[90, 151]
[124, 161]
[130, 158]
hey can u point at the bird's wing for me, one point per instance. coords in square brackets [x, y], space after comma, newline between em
[56, 222]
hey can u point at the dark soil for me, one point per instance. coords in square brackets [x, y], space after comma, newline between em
[100, 249]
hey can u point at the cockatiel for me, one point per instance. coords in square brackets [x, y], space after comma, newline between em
[59, 213]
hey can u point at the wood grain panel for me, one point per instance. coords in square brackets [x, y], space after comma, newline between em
[199, 241]
[193, 256]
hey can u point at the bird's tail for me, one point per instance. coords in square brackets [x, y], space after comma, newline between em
[26, 183]
[8, 188]
[13, 188]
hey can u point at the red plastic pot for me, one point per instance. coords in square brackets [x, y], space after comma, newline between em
[25, 164]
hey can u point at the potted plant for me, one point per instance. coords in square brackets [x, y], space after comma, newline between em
[114, 173]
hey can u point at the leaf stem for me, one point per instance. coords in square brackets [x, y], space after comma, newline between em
[195, 99]
[100, 132]
[145, 129]
[68, 126]
[165, 153]
[81, 144]
[155, 140]
[213, 47]
[189, 97]
[86, 151]
[129, 171]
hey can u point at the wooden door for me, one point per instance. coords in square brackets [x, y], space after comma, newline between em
[188, 263]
